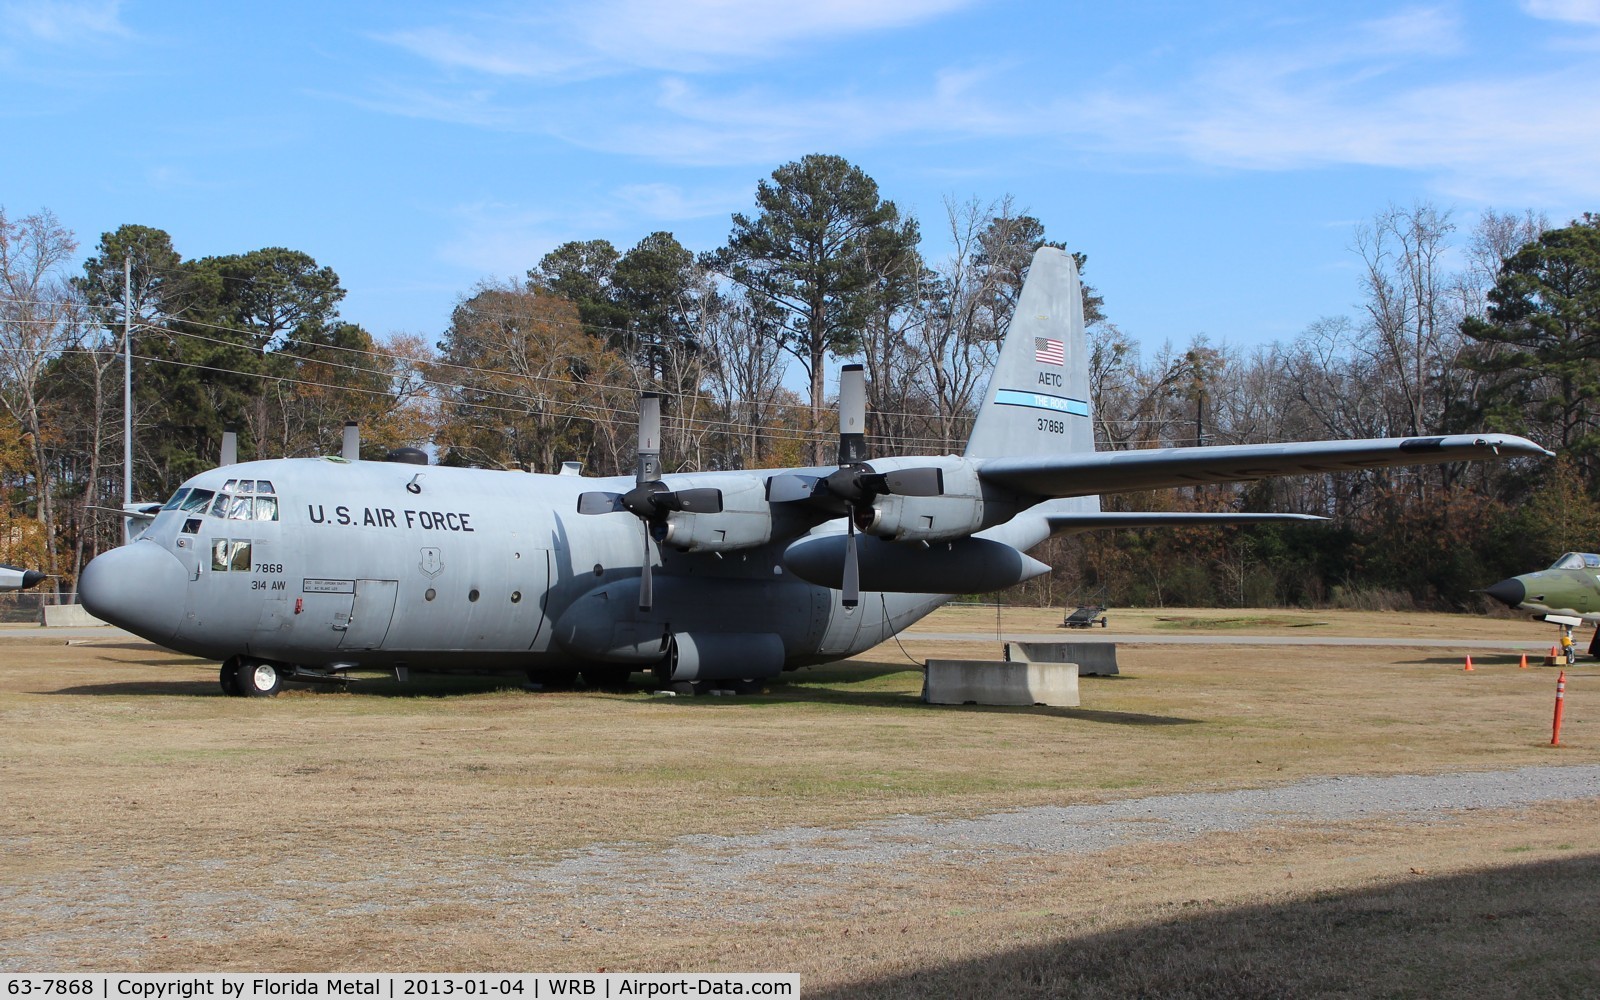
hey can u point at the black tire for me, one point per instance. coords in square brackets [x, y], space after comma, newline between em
[259, 679]
[229, 676]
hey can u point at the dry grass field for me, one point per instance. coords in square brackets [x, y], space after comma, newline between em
[150, 824]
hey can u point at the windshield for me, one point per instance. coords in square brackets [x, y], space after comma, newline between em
[1577, 560]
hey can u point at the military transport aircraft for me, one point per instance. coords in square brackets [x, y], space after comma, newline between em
[308, 568]
[1568, 593]
[17, 578]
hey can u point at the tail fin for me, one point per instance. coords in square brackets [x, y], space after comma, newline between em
[1038, 398]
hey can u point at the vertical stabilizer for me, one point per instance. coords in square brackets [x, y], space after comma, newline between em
[1037, 402]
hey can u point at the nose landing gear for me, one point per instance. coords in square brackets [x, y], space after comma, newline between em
[243, 677]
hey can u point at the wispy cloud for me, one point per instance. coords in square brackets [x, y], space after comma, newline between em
[63, 21]
[1354, 101]
[581, 40]
[1566, 11]
[1405, 91]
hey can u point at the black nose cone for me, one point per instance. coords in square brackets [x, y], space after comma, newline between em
[1508, 592]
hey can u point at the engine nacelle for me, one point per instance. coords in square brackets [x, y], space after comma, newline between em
[745, 520]
[956, 513]
[722, 656]
[962, 566]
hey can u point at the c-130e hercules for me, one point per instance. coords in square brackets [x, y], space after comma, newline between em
[308, 568]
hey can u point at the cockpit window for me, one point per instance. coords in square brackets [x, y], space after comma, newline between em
[264, 486]
[177, 498]
[230, 484]
[237, 507]
[1577, 560]
[196, 500]
[230, 554]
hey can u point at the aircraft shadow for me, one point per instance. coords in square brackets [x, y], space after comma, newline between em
[159, 688]
[1518, 930]
[821, 686]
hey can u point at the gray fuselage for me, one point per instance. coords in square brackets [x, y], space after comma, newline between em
[380, 564]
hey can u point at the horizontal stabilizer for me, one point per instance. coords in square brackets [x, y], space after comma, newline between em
[1102, 472]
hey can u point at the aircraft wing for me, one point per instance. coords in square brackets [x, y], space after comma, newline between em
[1102, 472]
[1089, 520]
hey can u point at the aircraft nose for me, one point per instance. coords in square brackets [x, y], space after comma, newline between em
[1508, 592]
[138, 587]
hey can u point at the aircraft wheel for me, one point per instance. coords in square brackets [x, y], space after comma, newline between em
[259, 679]
[230, 677]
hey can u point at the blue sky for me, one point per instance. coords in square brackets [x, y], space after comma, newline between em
[1210, 159]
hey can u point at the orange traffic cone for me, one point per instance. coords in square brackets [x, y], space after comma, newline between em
[1523, 665]
[1469, 664]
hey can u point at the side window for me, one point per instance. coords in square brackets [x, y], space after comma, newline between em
[191, 526]
[219, 555]
[241, 556]
[266, 508]
[241, 509]
[220, 508]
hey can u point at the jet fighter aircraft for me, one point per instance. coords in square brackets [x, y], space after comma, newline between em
[1568, 594]
[309, 568]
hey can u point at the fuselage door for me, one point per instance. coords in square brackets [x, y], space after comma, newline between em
[370, 615]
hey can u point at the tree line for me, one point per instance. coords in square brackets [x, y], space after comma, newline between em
[1492, 329]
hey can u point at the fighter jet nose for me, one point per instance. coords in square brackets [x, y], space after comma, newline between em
[138, 587]
[1508, 592]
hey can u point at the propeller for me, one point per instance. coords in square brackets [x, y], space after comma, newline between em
[854, 483]
[650, 500]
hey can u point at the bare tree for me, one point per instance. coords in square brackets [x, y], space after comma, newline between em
[745, 375]
[40, 316]
[1408, 309]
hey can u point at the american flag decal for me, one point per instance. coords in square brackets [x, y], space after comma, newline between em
[1049, 352]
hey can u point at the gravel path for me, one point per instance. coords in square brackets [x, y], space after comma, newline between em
[708, 864]
[750, 878]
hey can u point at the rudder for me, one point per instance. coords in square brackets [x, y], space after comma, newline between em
[1038, 398]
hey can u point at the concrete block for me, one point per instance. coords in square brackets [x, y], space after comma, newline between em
[996, 682]
[71, 615]
[1094, 659]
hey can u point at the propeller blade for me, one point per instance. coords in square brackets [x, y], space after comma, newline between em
[852, 415]
[599, 503]
[649, 469]
[703, 500]
[926, 482]
[852, 569]
[646, 587]
[790, 488]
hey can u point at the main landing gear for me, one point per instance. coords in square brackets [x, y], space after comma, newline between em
[243, 677]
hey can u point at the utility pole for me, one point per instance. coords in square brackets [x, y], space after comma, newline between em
[127, 390]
